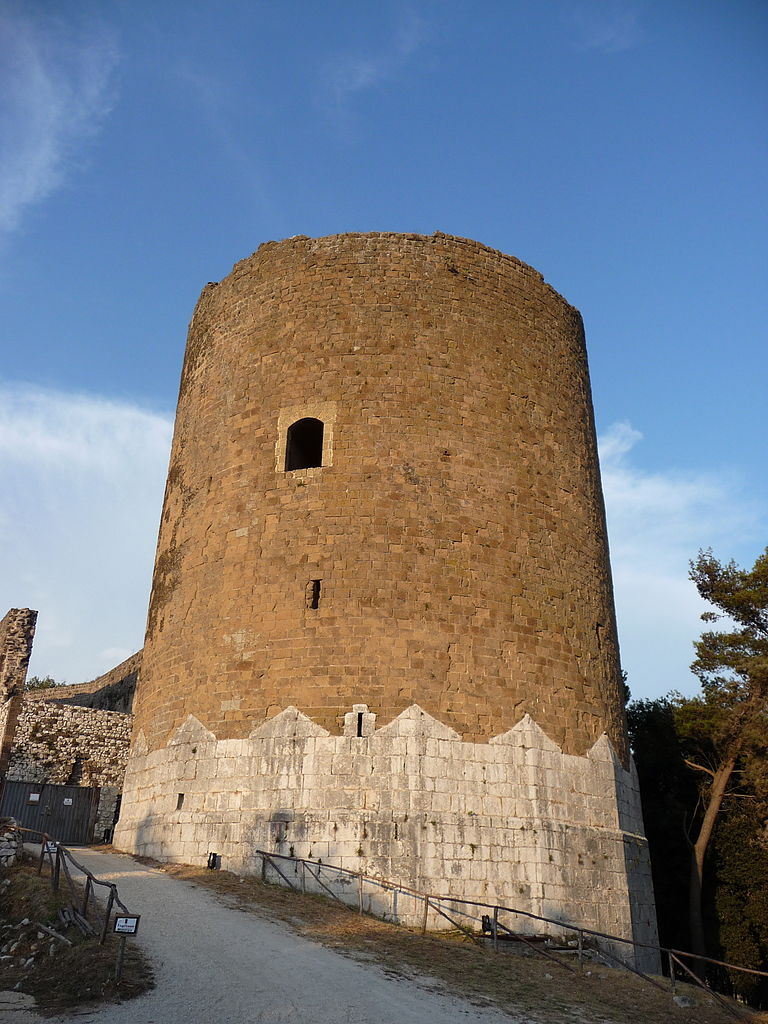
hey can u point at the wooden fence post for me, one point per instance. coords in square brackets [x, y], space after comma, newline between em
[86, 896]
[56, 870]
[120, 958]
[107, 916]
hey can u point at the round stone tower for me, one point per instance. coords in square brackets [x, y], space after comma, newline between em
[383, 512]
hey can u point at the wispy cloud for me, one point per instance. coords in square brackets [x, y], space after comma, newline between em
[346, 75]
[606, 25]
[55, 83]
[657, 521]
[80, 503]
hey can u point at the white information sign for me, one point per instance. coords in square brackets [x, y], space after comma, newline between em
[67, 801]
[50, 846]
[34, 798]
[127, 925]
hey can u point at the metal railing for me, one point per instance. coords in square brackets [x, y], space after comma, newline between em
[450, 907]
[61, 861]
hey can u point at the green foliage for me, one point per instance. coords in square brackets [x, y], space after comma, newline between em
[740, 904]
[40, 683]
[703, 769]
[670, 797]
[732, 664]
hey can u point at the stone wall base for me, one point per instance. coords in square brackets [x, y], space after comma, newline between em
[514, 821]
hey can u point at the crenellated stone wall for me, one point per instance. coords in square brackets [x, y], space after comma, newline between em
[514, 820]
[437, 566]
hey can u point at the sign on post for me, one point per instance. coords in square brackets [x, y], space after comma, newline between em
[126, 925]
[51, 846]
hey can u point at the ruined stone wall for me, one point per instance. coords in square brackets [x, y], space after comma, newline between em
[112, 691]
[514, 820]
[17, 631]
[65, 745]
[456, 525]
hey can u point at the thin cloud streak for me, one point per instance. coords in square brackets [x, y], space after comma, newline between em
[609, 26]
[57, 90]
[349, 74]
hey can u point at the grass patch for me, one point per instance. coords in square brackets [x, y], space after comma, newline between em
[519, 980]
[58, 976]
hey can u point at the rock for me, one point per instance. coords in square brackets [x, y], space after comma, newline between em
[683, 1001]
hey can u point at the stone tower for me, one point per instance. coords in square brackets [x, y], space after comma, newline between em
[381, 630]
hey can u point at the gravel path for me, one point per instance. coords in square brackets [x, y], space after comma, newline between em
[216, 964]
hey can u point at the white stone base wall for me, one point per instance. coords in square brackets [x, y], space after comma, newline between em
[514, 821]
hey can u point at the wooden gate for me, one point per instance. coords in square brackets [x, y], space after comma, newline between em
[66, 813]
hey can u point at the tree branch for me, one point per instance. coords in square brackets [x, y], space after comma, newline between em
[699, 767]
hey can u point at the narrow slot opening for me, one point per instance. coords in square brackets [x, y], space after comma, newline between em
[359, 723]
[180, 801]
[314, 594]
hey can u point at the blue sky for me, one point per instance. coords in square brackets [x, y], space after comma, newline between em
[617, 146]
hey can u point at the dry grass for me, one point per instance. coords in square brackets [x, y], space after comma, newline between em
[520, 981]
[60, 977]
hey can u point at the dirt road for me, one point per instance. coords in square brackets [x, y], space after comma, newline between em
[216, 964]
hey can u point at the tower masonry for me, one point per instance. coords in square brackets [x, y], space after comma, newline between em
[381, 632]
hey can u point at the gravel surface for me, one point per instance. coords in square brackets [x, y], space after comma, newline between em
[216, 964]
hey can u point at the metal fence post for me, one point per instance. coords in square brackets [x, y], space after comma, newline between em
[360, 892]
[495, 929]
[581, 947]
[426, 914]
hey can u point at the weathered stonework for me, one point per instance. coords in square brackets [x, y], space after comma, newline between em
[72, 746]
[17, 631]
[45, 740]
[428, 585]
[112, 691]
[11, 843]
[514, 820]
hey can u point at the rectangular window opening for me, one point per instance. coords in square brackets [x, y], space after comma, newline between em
[359, 723]
[180, 802]
[314, 597]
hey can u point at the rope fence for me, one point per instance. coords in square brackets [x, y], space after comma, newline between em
[85, 911]
[452, 907]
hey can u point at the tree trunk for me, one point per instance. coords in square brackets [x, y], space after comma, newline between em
[716, 794]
